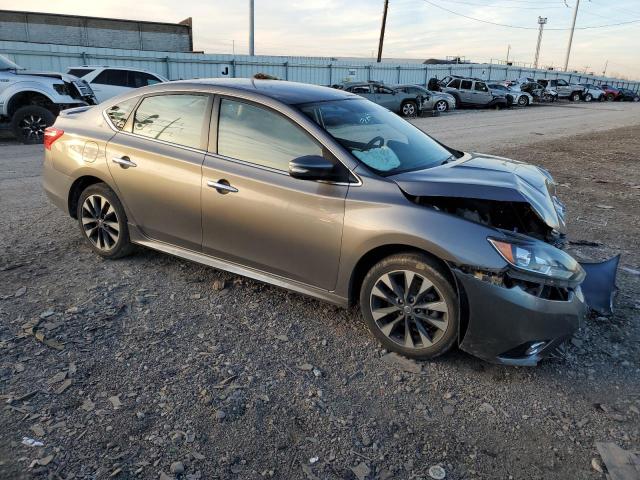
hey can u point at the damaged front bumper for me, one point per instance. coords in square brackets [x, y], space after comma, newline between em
[514, 327]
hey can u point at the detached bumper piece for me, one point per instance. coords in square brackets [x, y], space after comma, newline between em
[511, 326]
[599, 285]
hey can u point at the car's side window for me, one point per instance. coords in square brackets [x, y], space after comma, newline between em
[455, 83]
[260, 136]
[118, 114]
[117, 78]
[360, 89]
[466, 85]
[481, 87]
[141, 79]
[174, 118]
[384, 90]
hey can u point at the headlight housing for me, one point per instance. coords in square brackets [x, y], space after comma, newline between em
[532, 258]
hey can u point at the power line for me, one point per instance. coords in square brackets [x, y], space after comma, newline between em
[519, 7]
[522, 27]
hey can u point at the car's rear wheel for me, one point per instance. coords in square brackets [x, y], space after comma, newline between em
[409, 109]
[523, 100]
[28, 123]
[610, 97]
[410, 306]
[588, 97]
[441, 106]
[575, 97]
[103, 222]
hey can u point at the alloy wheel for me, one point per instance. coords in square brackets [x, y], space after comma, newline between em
[408, 109]
[100, 222]
[523, 101]
[441, 106]
[409, 309]
[33, 127]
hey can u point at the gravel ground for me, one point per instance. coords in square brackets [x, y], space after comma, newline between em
[153, 367]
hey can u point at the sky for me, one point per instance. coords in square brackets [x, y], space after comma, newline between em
[415, 28]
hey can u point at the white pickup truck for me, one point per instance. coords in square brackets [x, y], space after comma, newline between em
[31, 101]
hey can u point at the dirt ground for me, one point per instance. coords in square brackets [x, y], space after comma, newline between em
[151, 364]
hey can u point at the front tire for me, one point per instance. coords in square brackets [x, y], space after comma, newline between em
[610, 97]
[575, 96]
[28, 123]
[409, 109]
[103, 222]
[523, 101]
[588, 97]
[410, 306]
[441, 106]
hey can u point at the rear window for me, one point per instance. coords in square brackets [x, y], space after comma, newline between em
[118, 114]
[79, 72]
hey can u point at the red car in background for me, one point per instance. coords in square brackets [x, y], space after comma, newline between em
[610, 93]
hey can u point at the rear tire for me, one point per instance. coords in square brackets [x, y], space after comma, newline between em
[575, 96]
[103, 222]
[418, 320]
[409, 109]
[28, 123]
[610, 97]
[588, 97]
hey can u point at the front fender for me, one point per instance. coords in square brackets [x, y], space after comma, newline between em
[30, 86]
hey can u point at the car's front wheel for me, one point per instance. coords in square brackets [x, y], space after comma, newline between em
[575, 97]
[103, 222]
[410, 306]
[29, 122]
[588, 97]
[409, 109]
[523, 100]
[610, 97]
[441, 106]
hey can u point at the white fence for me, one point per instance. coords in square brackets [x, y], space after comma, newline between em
[321, 71]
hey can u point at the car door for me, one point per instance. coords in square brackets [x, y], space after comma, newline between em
[254, 213]
[563, 88]
[109, 83]
[156, 164]
[466, 92]
[482, 94]
[387, 97]
[426, 97]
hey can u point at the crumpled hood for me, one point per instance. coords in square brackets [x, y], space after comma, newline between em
[58, 76]
[488, 177]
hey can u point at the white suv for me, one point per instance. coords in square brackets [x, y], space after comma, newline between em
[107, 81]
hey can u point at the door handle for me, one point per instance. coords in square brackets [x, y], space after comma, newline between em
[124, 162]
[222, 186]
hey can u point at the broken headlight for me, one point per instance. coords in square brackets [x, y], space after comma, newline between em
[539, 259]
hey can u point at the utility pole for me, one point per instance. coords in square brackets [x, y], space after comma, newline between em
[604, 71]
[573, 26]
[508, 50]
[541, 21]
[251, 27]
[384, 23]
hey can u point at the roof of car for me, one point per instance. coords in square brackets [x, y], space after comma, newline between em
[287, 92]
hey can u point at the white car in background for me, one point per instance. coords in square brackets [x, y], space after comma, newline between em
[107, 81]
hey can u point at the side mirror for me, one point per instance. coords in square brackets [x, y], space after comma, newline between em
[311, 167]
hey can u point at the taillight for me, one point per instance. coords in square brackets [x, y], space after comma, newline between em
[51, 134]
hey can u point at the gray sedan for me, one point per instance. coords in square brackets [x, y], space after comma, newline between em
[325, 193]
[407, 105]
[430, 100]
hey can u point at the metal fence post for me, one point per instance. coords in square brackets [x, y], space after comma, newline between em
[286, 70]
[167, 61]
[233, 68]
[330, 74]
[426, 76]
[84, 58]
[368, 73]
[398, 74]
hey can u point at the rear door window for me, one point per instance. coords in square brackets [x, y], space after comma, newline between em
[117, 78]
[481, 87]
[455, 83]
[174, 118]
[466, 85]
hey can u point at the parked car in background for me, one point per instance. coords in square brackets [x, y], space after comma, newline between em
[571, 91]
[610, 92]
[539, 92]
[405, 104]
[31, 101]
[592, 92]
[438, 247]
[513, 94]
[472, 92]
[107, 81]
[627, 95]
[429, 99]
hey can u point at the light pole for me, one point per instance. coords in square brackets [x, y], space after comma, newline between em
[251, 27]
[541, 21]
[384, 24]
[508, 50]
[573, 26]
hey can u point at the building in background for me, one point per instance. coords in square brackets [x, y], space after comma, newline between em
[50, 28]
